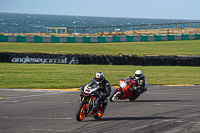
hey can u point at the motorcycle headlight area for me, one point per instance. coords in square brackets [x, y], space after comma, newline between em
[123, 85]
[87, 91]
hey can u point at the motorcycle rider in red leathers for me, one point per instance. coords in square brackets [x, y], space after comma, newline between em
[140, 82]
[104, 85]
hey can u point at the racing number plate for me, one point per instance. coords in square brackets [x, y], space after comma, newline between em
[123, 85]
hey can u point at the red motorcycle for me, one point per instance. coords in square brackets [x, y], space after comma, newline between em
[90, 103]
[125, 91]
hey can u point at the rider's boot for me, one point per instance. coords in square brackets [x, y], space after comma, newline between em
[105, 103]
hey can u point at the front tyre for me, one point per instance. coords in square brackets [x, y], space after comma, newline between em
[114, 95]
[81, 111]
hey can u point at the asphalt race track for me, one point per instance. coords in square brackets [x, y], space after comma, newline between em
[162, 109]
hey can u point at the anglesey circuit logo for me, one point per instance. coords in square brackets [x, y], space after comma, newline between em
[74, 61]
[61, 60]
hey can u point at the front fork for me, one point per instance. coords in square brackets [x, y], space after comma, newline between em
[89, 105]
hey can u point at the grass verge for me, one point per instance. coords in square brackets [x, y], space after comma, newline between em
[187, 47]
[68, 76]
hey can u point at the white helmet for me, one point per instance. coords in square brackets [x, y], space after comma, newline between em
[99, 77]
[138, 74]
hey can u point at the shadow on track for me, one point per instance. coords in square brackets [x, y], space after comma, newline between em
[158, 101]
[133, 118]
[153, 101]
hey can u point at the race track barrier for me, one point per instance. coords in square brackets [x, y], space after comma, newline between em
[98, 39]
[120, 59]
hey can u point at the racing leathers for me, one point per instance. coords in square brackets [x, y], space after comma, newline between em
[140, 84]
[104, 87]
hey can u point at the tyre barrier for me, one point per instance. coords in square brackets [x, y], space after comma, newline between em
[120, 59]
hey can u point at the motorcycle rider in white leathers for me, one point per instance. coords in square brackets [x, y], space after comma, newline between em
[140, 81]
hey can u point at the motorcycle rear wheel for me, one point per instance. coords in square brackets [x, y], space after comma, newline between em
[134, 97]
[81, 111]
[100, 112]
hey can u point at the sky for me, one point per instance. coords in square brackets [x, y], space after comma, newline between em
[159, 9]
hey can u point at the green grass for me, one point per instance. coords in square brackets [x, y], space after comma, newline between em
[13, 75]
[188, 47]
[67, 76]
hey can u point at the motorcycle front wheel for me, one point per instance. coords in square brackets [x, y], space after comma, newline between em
[114, 95]
[81, 111]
